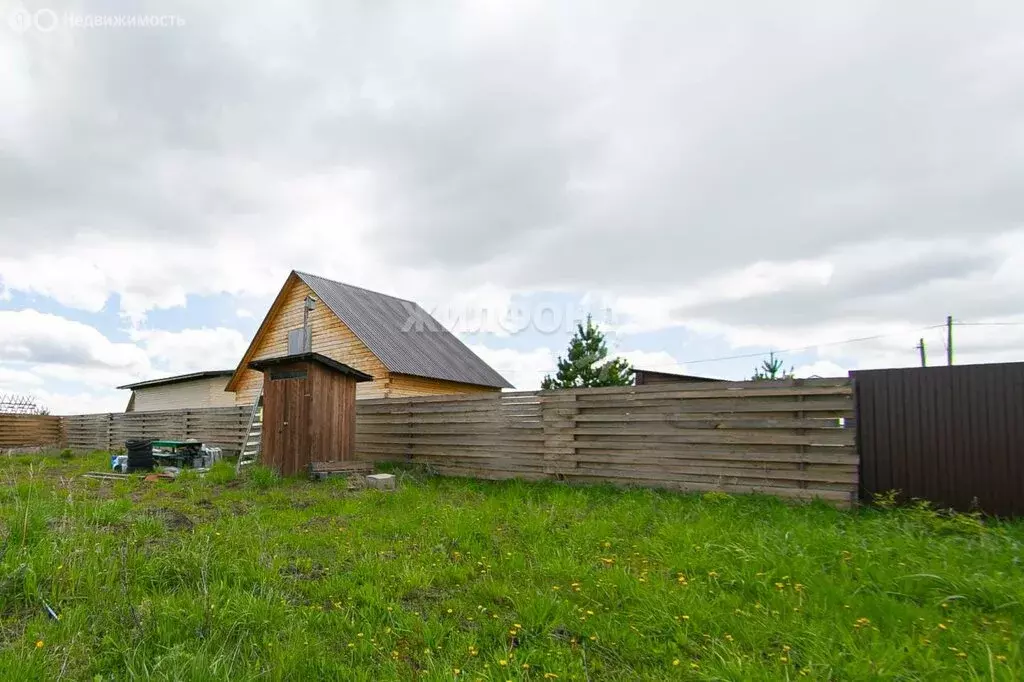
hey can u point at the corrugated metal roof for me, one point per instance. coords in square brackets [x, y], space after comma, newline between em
[405, 337]
[180, 378]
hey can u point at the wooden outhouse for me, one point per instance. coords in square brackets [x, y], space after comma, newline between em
[309, 411]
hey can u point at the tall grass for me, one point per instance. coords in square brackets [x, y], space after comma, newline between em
[212, 578]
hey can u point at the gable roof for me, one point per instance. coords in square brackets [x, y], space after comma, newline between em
[339, 367]
[421, 348]
[404, 336]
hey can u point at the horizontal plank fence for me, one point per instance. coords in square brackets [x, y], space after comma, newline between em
[785, 438]
[29, 430]
[222, 427]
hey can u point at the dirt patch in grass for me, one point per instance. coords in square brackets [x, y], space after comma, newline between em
[305, 570]
[240, 508]
[173, 519]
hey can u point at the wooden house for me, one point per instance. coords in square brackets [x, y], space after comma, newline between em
[182, 392]
[405, 350]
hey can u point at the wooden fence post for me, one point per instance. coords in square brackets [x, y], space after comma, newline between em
[558, 415]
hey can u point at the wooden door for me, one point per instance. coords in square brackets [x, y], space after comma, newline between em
[286, 421]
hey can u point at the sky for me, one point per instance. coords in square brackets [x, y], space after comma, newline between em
[708, 180]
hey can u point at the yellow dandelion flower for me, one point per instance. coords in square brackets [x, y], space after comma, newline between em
[39, 644]
[503, 662]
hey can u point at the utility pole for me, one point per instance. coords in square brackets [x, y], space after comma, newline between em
[949, 340]
[920, 347]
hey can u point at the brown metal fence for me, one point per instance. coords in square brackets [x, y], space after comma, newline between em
[951, 435]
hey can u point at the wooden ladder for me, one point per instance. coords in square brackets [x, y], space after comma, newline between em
[253, 435]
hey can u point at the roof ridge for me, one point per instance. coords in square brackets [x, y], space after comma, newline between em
[380, 322]
[355, 286]
[175, 378]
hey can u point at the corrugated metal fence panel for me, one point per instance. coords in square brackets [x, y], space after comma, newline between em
[950, 435]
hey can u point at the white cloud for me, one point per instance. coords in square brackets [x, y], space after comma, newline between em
[758, 188]
[656, 361]
[18, 381]
[38, 338]
[192, 350]
[83, 402]
[523, 369]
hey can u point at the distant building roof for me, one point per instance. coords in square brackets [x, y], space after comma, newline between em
[180, 378]
[650, 376]
[404, 336]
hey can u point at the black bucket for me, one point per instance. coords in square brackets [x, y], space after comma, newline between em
[140, 455]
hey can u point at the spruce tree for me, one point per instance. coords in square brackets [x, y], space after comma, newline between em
[771, 369]
[583, 365]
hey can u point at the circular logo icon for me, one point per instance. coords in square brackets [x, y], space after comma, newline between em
[45, 20]
[20, 19]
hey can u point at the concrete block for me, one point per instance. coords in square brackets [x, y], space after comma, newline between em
[381, 481]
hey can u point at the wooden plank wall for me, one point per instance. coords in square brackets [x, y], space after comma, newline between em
[782, 438]
[29, 430]
[222, 427]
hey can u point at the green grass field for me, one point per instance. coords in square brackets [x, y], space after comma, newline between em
[218, 578]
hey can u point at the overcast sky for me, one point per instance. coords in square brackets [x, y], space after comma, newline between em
[711, 179]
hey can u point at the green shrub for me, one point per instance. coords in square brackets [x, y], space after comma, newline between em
[67, 453]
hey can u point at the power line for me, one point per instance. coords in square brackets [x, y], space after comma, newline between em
[810, 347]
[988, 324]
[758, 354]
